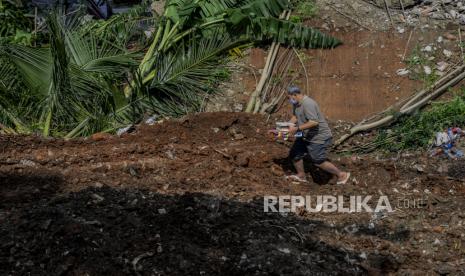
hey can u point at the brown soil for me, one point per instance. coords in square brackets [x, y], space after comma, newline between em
[186, 197]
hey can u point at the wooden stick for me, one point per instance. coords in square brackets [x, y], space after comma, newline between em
[438, 83]
[417, 102]
[254, 102]
[408, 42]
[460, 39]
[403, 9]
[35, 26]
[303, 67]
[389, 13]
[280, 64]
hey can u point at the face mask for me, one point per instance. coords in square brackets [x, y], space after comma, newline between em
[293, 101]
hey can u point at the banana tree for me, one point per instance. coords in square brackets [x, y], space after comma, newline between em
[245, 20]
[73, 87]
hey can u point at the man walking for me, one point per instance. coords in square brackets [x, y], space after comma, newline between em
[316, 138]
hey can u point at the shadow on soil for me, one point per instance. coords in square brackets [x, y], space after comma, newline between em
[102, 231]
[24, 187]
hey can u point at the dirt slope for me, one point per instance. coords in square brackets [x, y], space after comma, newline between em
[186, 197]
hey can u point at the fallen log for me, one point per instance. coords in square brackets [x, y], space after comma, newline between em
[438, 83]
[417, 101]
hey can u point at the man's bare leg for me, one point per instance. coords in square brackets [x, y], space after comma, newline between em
[299, 167]
[332, 169]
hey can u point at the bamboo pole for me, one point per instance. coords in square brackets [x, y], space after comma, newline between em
[254, 102]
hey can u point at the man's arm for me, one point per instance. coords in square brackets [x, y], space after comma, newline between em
[310, 109]
[293, 119]
[307, 125]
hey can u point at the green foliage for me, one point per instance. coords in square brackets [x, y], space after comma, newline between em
[70, 81]
[306, 8]
[85, 80]
[13, 97]
[295, 19]
[417, 131]
[243, 20]
[416, 62]
[125, 29]
[16, 25]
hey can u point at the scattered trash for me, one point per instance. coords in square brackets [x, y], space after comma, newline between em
[427, 70]
[151, 120]
[170, 154]
[133, 171]
[427, 48]
[128, 129]
[447, 53]
[445, 143]
[419, 168]
[402, 72]
[442, 66]
[282, 131]
[149, 33]
[97, 198]
[27, 163]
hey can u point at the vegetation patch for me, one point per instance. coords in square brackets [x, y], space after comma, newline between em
[100, 75]
[418, 131]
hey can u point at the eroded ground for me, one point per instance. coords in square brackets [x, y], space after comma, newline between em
[186, 197]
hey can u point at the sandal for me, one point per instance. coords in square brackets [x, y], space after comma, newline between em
[345, 180]
[296, 178]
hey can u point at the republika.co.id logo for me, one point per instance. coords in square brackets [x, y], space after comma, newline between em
[327, 204]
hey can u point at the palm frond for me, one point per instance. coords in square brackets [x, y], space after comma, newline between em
[93, 55]
[289, 33]
[190, 68]
[33, 64]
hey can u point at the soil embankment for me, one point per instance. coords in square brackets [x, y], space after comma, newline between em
[186, 197]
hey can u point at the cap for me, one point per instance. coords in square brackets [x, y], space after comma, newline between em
[293, 90]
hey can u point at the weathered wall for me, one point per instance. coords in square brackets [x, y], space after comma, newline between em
[358, 78]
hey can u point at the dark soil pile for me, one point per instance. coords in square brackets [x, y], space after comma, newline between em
[111, 232]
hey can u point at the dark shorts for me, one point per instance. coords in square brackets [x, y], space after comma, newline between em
[316, 152]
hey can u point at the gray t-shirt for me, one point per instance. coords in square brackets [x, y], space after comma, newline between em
[309, 110]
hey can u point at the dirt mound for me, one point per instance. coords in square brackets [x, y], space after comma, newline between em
[209, 152]
[105, 231]
[93, 205]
